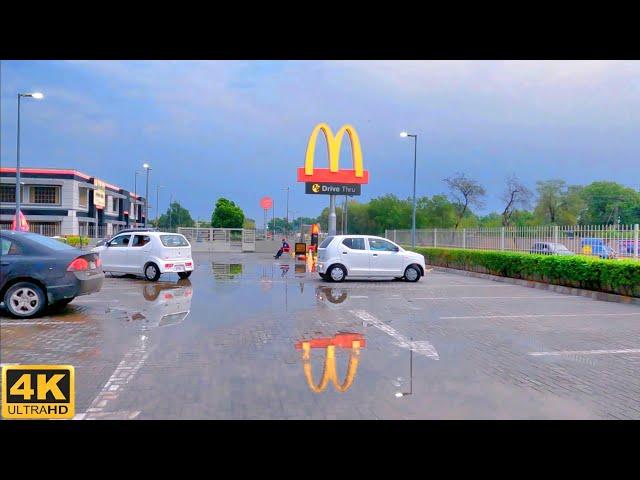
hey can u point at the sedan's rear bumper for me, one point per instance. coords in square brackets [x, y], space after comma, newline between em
[75, 285]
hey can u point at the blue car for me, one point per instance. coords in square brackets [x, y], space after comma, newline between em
[596, 247]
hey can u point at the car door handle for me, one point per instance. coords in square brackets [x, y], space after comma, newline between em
[344, 253]
[375, 254]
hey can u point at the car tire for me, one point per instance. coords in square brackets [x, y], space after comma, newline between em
[151, 272]
[412, 273]
[25, 300]
[184, 274]
[336, 273]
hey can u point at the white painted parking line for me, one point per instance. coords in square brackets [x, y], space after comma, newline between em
[358, 296]
[421, 347]
[546, 315]
[584, 352]
[565, 297]
[470, 285]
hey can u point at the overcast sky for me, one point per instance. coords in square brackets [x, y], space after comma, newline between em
[239, 129]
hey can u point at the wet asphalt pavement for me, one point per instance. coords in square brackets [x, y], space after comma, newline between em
[248, 337]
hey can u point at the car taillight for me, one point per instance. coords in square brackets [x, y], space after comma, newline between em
[168, 265]
[188, 264]
[78, 265]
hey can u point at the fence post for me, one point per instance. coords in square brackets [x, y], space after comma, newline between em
[394, 235]
[501, 238]
[435, 237]
[636, 228]
[464, 238]
[555, 234]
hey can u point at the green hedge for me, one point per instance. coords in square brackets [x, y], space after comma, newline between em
[74, 240]
[611, 276]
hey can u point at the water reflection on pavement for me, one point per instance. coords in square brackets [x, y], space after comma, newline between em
[250, 337]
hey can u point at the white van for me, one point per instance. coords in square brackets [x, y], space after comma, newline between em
[148, 253]
[343, 256]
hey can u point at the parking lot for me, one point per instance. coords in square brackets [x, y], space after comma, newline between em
[248, 337]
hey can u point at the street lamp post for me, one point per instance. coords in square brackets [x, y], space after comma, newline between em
[147, 167]
[158, 187]
[415, 158]
[37, 96]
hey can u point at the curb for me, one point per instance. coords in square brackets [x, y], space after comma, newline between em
[579, 292]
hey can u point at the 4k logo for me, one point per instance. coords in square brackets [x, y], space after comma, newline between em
[38, 391]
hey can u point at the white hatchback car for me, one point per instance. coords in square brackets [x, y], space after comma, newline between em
[149, 253]
[342, 256]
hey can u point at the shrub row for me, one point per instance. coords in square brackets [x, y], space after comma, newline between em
[611, 276]
[74, 240]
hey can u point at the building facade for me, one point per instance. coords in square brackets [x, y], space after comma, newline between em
[68, 202]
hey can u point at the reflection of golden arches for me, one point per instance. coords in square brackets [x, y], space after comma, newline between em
[329, 372]
[333, 146]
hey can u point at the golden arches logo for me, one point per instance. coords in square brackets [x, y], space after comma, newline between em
[329, 372]
[334, 143]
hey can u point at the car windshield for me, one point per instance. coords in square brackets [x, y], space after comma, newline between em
[325, 243]
[174, 241]
[48, 242]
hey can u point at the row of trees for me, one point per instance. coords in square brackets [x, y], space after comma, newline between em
[553, 203]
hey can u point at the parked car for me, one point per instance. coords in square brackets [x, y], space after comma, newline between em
[597, 247]
[550, 248]
[38, 271]
[626, 246]
[343, 256]
[147, 252]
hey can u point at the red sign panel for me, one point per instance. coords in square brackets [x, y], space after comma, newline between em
[266, 203]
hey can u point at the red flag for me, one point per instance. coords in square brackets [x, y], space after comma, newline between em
[23, 226]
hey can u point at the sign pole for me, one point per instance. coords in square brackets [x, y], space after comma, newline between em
[332, 214]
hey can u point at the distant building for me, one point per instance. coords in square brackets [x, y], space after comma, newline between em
[68, 202]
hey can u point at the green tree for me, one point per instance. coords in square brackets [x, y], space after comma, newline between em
[280, 225]
[249, 223]
[176, 216]
[436, 212]
[609, 203]
[227, 215]
[465, 193]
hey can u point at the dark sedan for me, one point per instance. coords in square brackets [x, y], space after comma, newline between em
[37, 271]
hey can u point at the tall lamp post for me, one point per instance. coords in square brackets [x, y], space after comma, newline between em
[158, 187]
[147, 167]
[415, 157]
[37, 96]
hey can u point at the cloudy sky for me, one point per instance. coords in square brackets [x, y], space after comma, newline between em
[239, 129]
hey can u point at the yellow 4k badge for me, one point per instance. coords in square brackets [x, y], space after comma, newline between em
[38, 391]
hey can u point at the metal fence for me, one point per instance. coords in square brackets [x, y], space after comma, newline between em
[226, 239]
[596, 240]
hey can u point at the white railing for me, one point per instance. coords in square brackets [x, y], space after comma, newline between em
[227, 239]
[581, 239]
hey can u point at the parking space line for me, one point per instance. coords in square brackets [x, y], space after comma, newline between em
[18, 323]
[471, 285]
[566, 297]
[584, 352]
[421, 347]
[546, 315]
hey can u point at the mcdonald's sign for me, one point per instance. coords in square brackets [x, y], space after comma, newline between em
[354, 341]
[357, 175]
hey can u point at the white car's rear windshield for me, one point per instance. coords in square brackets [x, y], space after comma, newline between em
[174, 241]
[326, 242]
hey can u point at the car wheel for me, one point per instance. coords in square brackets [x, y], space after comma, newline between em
[151, 272]
[184, 274]
[337, 273]
[412, 274]
[25, 300]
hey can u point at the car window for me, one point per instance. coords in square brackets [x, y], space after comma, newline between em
[174, 241]
[325, 243]
[381, 245]
[51, 243]
[140, 240]
[8, 247]
[354, 243]
[121, 241]
[537, 246]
